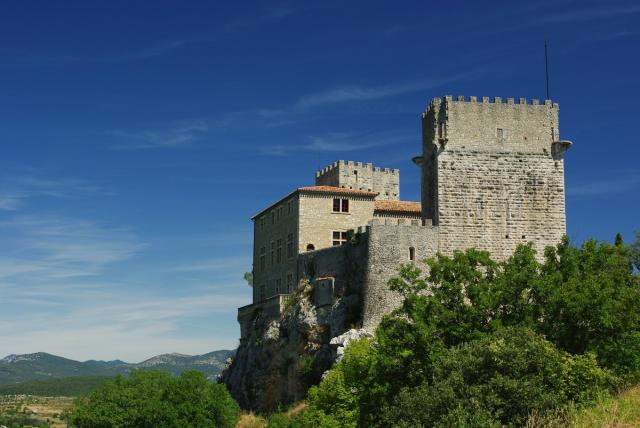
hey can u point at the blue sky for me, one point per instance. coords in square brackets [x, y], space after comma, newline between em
[138, 140]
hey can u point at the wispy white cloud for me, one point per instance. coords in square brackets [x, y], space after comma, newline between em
[18, 189]
[132, 326]
[10, 201]
[581, 15]
[180, 134]
[52, 247]
[338, 142]
[219, 264]
[62, 293]
[278, 13]
[159, 49]
[621, 34]
[356, 93]
[605, 186]
[360, 93]
[569, 16]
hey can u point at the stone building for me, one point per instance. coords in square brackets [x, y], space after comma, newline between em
[492, 178]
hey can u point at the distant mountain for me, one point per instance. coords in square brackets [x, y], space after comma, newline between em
[41, 366]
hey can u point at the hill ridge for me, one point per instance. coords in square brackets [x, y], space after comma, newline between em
[17, 368]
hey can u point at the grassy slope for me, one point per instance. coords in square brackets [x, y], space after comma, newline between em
[620, 411]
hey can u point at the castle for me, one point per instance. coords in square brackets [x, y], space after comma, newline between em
[492, 178]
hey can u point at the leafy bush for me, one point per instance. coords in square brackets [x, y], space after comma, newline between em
[156, 399]
[498, 379]
[278, 420]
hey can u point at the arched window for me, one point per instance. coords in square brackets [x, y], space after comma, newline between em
[412, 254]
[310, 247]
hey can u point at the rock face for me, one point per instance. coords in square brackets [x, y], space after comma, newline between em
[341, 342]
[281, 359]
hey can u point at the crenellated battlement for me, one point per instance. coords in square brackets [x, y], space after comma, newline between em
[361, 176]
[360, 165]
[494, 100]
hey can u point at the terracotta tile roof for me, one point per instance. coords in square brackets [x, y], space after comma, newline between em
[337, 190]
[399, 207]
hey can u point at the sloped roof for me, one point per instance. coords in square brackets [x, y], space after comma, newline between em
[337, 190]
[405, 207]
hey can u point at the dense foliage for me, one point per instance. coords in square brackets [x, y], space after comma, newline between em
[20, 421]
[156, 399]
[62, 387]
[482, 343]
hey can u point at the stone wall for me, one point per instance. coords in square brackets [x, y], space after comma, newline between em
[491, 175]
[276, 223]
[356, 175]
[318, 221]
[387, 249]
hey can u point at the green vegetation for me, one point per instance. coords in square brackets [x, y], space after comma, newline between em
[635, 252]
[20, 421]
[156, 399]
[248, 276]
[31, 411]
[482, 343]
[63, 387]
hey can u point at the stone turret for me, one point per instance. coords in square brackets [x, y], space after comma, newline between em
[359, 176]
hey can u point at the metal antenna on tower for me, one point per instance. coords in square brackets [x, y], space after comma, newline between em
[546, 67]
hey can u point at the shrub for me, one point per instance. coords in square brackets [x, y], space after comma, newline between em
[498, 379]
[156, 399]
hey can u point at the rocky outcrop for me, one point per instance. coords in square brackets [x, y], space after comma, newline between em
[280, 359]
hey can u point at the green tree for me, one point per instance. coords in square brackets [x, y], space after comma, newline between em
[248, 276]
[156, 399]
[635, 252]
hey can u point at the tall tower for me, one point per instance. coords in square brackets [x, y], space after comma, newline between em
[493, 173]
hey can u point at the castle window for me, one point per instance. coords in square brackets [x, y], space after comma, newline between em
[339, 238]
[290, 245]
[310, 247]
[279, 252]
[278, 285]
[412, 254]
[501, 133]
[289, 283]
[273, 252]
[340, 205]
[442, 130]
[262, 258]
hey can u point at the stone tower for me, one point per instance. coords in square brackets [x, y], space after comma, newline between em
[359, 176]
[493, 173]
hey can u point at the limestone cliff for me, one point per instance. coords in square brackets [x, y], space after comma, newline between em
[281, 358]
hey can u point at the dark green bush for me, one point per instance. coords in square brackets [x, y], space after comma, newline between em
[156, 399]
[498, 379]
